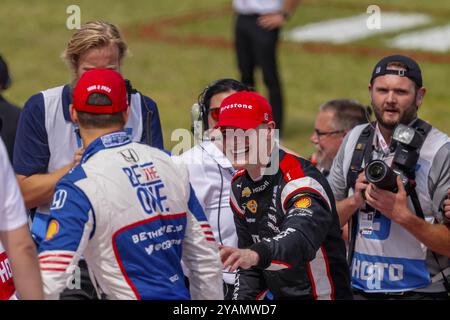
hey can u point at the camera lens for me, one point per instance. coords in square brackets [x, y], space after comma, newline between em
[376, 171]
[381, 175]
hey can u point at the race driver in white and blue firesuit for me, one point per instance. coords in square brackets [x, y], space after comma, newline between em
[125, 209]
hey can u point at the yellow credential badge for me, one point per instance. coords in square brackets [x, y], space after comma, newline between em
[52, 230]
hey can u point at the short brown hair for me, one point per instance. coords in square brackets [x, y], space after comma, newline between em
[347, 113]
[93, 34]
[100, 121]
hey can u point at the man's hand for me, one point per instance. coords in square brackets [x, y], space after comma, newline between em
[348, 206]
[38, 189]
[447, 205]
[435, 237]
[238, 258]
[361, 185]
[392, 205]
[271, 21]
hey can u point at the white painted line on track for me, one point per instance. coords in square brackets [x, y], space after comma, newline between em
[353, 28]
[433, 39]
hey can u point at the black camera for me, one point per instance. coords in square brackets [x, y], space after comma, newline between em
[407, 143]
[383, 176]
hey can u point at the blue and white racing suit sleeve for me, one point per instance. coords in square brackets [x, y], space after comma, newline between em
[201, 257]
[196, 208]
[200, 251]
[69, 229]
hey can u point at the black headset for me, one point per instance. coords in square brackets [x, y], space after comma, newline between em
[215, 87]
[5, 79]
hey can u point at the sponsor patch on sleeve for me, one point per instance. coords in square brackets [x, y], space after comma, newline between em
[303, 202]
[252, 205]
[246, 192]
[52, 230]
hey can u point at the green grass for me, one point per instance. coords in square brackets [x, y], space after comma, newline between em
[34, 34]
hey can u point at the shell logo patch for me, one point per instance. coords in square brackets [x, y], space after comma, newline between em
[52, 230]
[252, 205]
[246, 192]
[303, 202]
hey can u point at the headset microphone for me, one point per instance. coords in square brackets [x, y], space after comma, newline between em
[199, 111]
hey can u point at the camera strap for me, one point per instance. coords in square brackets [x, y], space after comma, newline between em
[424, 128]
[363, 152]
[148, 123]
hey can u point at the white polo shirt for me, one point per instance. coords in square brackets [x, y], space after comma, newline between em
[12, 216]
[12, 207]
[210, 174]
[257, 6]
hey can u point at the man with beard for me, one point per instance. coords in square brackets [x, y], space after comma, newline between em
[395, 252]
[48, 143]
[334, 120]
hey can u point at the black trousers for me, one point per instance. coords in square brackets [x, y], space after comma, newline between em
[228, 290]
[257, 47]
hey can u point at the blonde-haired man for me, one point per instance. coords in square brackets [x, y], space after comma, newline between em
[48, 144]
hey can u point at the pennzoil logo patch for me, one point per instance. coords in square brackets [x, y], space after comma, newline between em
[252, 205]
[246, 192]
[303, 202]
[52, 230]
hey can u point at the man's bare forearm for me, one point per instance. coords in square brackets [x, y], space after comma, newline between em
[346, 208]
[435, 237]
[22, 255]
[38, 189]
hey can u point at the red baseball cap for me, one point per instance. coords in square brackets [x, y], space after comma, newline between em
[106, 81]
[244, 110]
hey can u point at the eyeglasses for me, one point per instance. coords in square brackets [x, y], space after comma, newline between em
[321, 134]
[214, 113]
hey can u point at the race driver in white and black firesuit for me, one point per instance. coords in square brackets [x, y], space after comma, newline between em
[288, 229]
